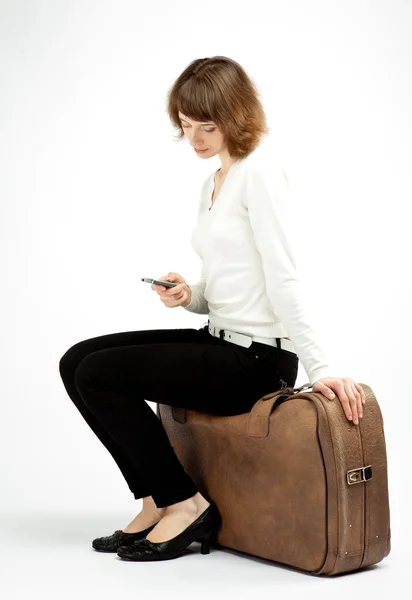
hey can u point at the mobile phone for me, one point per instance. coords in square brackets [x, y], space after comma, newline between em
[158, 282]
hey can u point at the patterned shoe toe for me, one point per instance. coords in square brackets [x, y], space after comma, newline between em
[111, 543]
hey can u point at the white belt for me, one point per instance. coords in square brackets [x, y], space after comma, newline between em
[246, 340]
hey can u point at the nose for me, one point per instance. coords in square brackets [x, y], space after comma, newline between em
[195, 143]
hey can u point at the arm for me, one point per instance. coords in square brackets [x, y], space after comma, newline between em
[265, 199]
[198, 303]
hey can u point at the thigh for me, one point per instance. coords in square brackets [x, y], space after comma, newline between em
[202, 372]
[76, 353]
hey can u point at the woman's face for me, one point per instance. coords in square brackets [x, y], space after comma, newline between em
[203, 136]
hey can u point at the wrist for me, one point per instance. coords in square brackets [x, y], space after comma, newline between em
[189, 293]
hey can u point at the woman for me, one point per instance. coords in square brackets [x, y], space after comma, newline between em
[256, 333]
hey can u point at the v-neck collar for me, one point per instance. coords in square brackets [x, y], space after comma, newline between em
[212, 185]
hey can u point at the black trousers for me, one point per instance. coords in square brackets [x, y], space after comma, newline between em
[110, 377]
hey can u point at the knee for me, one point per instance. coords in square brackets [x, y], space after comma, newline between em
[67, 365]
[71, 359]
[88, 371]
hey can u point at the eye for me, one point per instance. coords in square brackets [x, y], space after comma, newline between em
[207, 130]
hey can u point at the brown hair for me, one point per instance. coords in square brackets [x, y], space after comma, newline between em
[218, 89]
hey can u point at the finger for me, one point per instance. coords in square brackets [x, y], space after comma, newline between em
[360, 400]
[163, 289]
[362, 393]
[158, 287]
[358, 397]
[346, 406]
[349, 389]
[175, 291]
[181, 295]
[172, 302]
[341, 392]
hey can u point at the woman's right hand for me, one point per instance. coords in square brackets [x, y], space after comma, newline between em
[179, 295]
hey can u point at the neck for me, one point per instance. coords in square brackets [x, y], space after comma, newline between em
[227, 161]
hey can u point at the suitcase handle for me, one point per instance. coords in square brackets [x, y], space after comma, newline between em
[258, 421]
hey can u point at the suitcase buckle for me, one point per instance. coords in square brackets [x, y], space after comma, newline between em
[358, 475]
[306, 386]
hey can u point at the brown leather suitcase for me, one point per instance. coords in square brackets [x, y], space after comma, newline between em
[294, 481]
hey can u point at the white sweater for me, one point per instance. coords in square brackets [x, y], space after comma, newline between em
[249, 282]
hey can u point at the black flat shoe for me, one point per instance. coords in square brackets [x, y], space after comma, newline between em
[111, 543]
[205, 527]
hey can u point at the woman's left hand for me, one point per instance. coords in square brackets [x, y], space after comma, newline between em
[350, 394]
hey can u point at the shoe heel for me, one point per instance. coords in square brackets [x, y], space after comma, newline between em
[205, 549]
[206, 540]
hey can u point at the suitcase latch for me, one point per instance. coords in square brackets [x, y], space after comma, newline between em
[358, 475]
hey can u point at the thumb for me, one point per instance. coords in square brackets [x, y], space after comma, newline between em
[175, 277]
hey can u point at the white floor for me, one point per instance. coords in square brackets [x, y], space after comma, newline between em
[49, 555]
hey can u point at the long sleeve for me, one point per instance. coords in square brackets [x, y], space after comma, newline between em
[265, 199]
[198, 302]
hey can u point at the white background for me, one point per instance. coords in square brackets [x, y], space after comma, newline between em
[95, 193]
